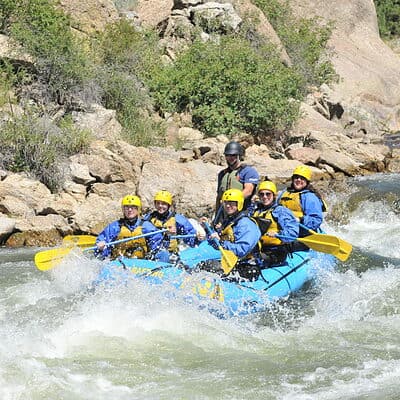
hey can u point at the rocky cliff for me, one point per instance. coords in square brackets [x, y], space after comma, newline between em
[342, 131]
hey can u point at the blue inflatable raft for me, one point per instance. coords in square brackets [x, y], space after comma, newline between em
[224, 297]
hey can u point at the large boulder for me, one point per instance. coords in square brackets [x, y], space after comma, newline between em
[368, 68]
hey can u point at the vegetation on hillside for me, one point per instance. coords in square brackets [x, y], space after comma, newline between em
[388, 12]
[305, 40]
[230, 84]
[229, 87]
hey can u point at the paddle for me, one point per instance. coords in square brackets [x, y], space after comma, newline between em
[80, 240]
[229, 258]
[48, 259]
[324, 244]
[343, 250]
[190, 235]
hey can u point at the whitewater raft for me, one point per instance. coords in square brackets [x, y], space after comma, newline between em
[222, 296]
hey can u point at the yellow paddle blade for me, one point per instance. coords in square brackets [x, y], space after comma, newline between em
[229, 260]
[344, 250]
[48, 259]
[328, 244]
[80, 240]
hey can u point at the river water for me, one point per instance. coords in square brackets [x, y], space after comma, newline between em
[338, 339]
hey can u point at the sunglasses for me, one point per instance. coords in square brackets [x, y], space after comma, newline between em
[265, 194]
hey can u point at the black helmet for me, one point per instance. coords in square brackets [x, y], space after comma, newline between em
[234, 148]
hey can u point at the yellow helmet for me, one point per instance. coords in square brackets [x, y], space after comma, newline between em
[303, 171]
[268, 185]
[131, 200]
[234, 195]
[164, 196]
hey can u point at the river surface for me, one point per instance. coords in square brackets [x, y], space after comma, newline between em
[338, 339]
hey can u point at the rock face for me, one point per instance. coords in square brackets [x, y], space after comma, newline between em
[339, 134]
[369, 88]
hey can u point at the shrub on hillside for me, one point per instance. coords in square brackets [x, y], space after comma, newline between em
[37, 146]
[125, 58]
[44, 32]
[7, 9]
[229, 87]
[388, 12]
[305, 41]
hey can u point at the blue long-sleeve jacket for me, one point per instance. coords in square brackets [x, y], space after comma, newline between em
[287, 222]
[246, 233]
[312, 209]
[289, 226]
[183, 227]
[110, 234]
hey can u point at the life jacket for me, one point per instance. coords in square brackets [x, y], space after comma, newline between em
[292, 200]
[227, 232]
[231, 180]
[136, 248]
[267, 223]
[160, 224]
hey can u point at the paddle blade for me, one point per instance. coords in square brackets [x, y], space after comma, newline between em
[80, 240]
[328, 244]
[344, 251]
[229, 260]
[48, 259]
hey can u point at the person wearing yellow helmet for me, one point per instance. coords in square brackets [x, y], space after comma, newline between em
[274, 220]
[236, 232]
[130, 225]
[164, 216]
[304, 201]
[236, 176]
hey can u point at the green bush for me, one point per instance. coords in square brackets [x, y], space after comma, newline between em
[45, 33]
[229, 87]
[125, 59]
[388, 12]
[37, 146]
[7, 10]
[9, 78]
[305, 41]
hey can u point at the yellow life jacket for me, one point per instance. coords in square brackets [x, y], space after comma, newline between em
[131, 248]
[228, 234]
[266, 240]
[291, 200]
[171, 221]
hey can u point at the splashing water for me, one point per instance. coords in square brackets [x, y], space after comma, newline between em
[337, 339]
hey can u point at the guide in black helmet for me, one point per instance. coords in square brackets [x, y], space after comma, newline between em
[236, 176]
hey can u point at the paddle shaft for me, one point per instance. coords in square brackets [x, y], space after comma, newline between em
[229, 258]
[183, 236]
[128, 239]
[48, 259]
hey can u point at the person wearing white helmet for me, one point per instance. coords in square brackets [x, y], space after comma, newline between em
[130, 225]
[274, 220]
[304, 201]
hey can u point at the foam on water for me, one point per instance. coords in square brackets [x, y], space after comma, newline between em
[338, 339]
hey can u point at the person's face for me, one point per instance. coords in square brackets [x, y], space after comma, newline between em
[232, 160]
[230, 207]
[161, 206]
[299, 183]
[130, 212]
[266, 197]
